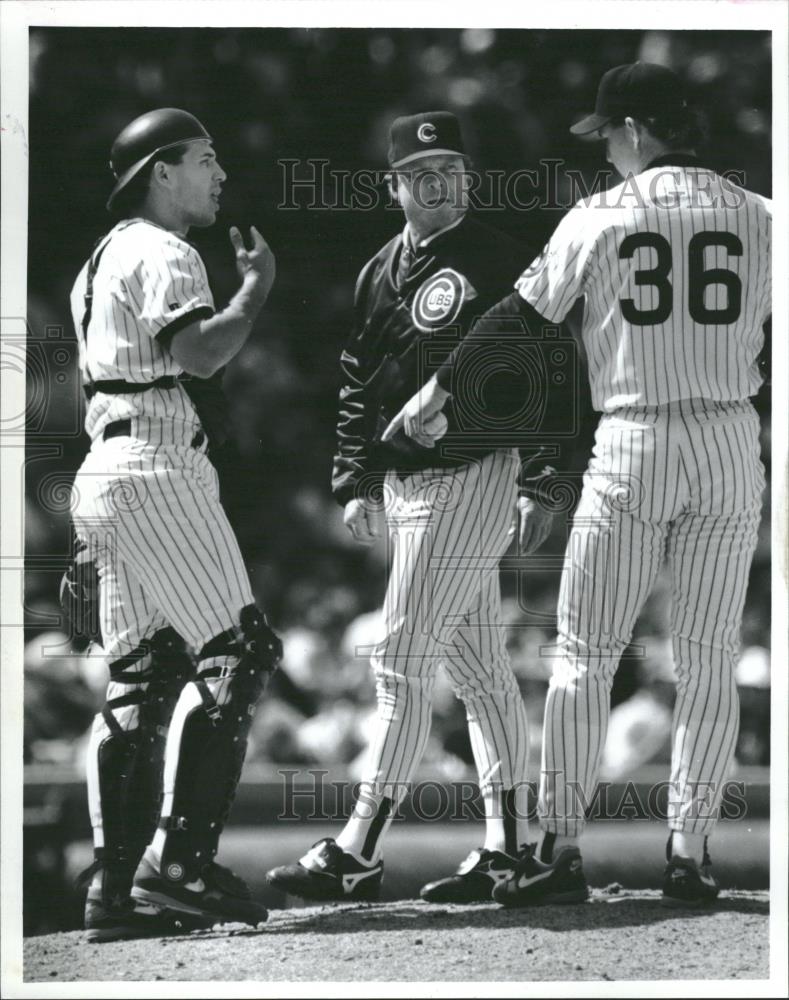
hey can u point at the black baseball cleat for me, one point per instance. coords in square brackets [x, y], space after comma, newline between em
[216, 894]
[327, 872]
[126, 920]
[474, 880]
[534, 882]
[686, 883]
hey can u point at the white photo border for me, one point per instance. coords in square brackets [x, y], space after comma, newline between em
[15, 20]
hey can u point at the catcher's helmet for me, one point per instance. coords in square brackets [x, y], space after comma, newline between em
[146, 136]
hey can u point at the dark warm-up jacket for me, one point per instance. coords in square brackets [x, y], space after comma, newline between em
[400, 337]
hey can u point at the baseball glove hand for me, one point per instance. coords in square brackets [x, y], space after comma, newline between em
[79, 595]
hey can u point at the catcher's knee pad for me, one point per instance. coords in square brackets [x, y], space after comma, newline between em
[126, 762]
[208, 741]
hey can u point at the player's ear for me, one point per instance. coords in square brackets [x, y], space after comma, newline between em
[160, 173]
[633, 131]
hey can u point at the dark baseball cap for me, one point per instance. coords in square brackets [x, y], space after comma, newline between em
[639, 90]
[146, 136]
[431, 133]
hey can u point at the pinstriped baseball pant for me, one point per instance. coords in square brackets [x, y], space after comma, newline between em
[681, 482]
[165, 554]
[448, 530]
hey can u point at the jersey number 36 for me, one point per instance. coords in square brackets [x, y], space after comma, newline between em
[698, 278]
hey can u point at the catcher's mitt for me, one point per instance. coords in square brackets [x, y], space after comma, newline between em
[79, 595]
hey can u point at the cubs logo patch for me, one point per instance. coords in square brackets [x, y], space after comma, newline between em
[175, 872]
[439, 300]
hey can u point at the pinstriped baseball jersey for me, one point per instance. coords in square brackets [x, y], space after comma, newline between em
[172, 555]
[148, 284]
[674, 266]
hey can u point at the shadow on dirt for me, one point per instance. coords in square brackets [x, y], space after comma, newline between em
[611, 912]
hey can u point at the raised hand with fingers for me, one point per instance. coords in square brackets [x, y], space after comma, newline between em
[257, 264]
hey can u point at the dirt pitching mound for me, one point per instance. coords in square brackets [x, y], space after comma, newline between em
[618, 935]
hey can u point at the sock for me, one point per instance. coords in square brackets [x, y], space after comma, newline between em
[506, 818]
[553, 843]
[98, 842]
[688, 845]
[156, 847]
[362, 836]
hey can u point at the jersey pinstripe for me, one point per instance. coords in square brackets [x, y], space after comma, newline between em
[165, 550]
[682, 482]
[674, 269]
[147, 502]
[449, 517]
[448, 530]
[673, 265]
[186, 647]
[147, 279]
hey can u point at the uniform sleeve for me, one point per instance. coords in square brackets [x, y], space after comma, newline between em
[510, 337]
[77, 301]
[170, 288]
[767, 298]
[351, 458]
[555, 279]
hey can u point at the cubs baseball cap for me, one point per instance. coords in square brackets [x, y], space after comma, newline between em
[431, 133]
[639, 90]
[146, 136]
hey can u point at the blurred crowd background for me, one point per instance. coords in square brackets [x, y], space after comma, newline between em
[268, 95]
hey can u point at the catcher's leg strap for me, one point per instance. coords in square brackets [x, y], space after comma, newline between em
[208, 739]
[125, 772]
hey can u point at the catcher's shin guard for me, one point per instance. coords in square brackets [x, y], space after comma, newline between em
[207, 743]
[126, 757]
